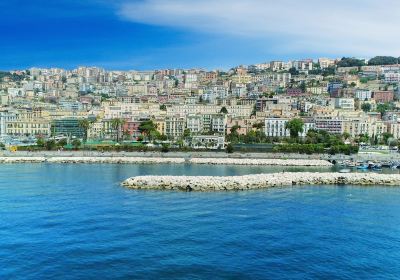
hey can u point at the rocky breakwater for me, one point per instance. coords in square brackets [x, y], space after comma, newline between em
[120, 160]
[271, 162]
[258, 181]
[22, 159]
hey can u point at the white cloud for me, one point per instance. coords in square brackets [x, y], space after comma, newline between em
[356, 27]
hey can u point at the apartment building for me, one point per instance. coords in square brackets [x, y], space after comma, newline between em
[28, 123]
[175, 126]
[330, 124]
[383, 96]
[275, 127]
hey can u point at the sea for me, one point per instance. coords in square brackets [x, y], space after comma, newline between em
[75, 221]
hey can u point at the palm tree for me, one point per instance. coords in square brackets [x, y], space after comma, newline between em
[117, 124]
[85, 125]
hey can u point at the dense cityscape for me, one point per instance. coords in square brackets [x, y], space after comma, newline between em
[309, 105]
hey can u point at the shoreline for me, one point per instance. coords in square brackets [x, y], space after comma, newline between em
[168, 160]
[257, 181]
[206, 154]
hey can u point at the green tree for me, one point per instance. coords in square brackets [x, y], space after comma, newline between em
[258, 126]
[350, 62]
[117, 125]
[76, 143]
[165, 148]
[382, 108]
[386, 136]
[346, 135]
[366, 107]
[40, 142]
[234, 135]
[235, 128]
[229, 148]
[186, 133]
[162, 137]
[293, 71]
[163, 107]
[50, 145]
[303, 87]
[383, 60]
[147, 127]
[84, 124]
[295, 126]
[62, 142]
[363, 138]
[223, 110]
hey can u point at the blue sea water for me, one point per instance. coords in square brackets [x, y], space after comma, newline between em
[76, 222]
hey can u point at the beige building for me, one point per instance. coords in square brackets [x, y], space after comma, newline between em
[28, 122]
[174, 126]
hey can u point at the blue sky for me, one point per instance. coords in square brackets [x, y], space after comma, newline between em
[154, 34]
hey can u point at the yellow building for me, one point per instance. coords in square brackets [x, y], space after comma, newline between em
[160, 124]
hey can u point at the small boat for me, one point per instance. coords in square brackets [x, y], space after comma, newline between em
[377, 167]
[345, 170]
[363, 167]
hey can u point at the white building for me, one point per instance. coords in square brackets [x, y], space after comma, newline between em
[363, 94]
[392, 77]
[344, 103]
[194, 123]
[213, 142]
[275, 127]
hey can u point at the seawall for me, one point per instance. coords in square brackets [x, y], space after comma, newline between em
[258, 181]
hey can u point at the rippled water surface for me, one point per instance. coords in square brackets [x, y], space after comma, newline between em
[76, 222]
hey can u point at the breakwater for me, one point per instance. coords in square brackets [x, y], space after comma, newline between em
[165, 160]
[258, 181]
[260, 161]
[116, 160]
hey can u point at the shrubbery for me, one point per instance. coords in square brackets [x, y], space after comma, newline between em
[316, 149]
[300, 148]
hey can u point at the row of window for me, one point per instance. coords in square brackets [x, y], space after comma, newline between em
[21, 125]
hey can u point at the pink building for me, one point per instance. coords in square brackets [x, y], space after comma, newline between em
[383, 96]
[132, 127]
[294, 91]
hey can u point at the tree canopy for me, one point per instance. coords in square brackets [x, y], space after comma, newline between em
[350, 62]
[224, 110]
[383, 60]
[382, 108]
[85, 125]
[293, 71]
[117, 124]
[295, 126]
[366, 107]
[148, 128]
